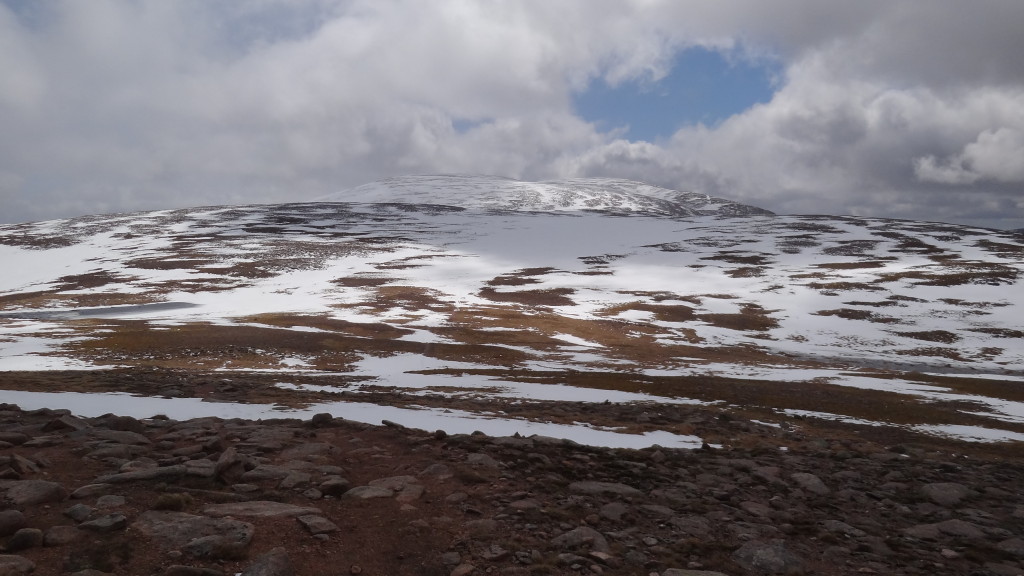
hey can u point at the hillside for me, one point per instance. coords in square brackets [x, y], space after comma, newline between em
[470, 297]
[464, 375]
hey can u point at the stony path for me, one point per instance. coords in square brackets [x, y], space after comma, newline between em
[210, 497]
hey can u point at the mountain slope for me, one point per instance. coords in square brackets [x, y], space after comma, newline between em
[455, 295]
[496, 193]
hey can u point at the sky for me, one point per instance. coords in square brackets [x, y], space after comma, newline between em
[889, 108]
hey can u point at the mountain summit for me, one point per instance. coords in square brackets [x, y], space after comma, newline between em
[610, 195]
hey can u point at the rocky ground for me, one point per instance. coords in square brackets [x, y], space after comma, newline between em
[209, 497]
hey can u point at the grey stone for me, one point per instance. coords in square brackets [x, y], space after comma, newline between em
[23, 465]
[317, 524]
[61, 535]
[1000, 569]
[594, 488]
[407, 488]
[295, 479]
[202, 468]
[437, 471]
[696, 526]
[230, 465]
[30, 492]
[110, 501]
[65, 422]
[335, 486]
[273, 563]
[10, 522]
[198, 535]
[681, 572]
[810, 483]
[14, 438]
[12, 565]
[79, 512]
[258, 509]
[368, 492]
[90, 490]
[923, 531]
[946, 494]
[181, 570]
[770, 557]
[614, 511]
[162, 473]
[265, 472]
[138, 464]
[482, 461]
[120, 436]
[24, 539]
[104, 524]
[311, 451]
[584, 535]
[1013, 546]
[960, 529]
[837, 527]
[322, 419]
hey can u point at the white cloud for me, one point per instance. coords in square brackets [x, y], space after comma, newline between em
[995, 155]
[886, 108]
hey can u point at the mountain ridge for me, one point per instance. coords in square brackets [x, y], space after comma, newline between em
[480, 192]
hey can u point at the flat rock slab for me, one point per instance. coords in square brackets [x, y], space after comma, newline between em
[29, 492]
[258, 509]
[273, 563]
[583, 536]
[767, 557]
[11, 565]
[593, 487]
[173, 530]
[160, 473]
[946, 494]
[367, 492]
[810, 483]
[120, 436]
[318, 524]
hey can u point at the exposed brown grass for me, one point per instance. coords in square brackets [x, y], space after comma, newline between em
[1002, 249]
[935, 352]
[361, 281]
[37, 300]
[326, 323]
[751, 317]
[521, 277]
[746, 272]
[734, 257]
[843, 286]
[662, 312]
[855, 314]
[964, 272]
[999, 332]
[546, 297]
[851, 265]
[941, 336]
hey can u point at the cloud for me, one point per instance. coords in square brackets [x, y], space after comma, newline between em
[885, 108]
[995, 155]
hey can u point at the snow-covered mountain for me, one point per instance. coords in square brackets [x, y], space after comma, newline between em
[607, 195]
[581, 290]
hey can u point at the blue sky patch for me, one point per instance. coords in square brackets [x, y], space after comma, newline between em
[704, 86]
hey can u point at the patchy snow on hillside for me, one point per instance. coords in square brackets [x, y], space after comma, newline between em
[517, 278]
